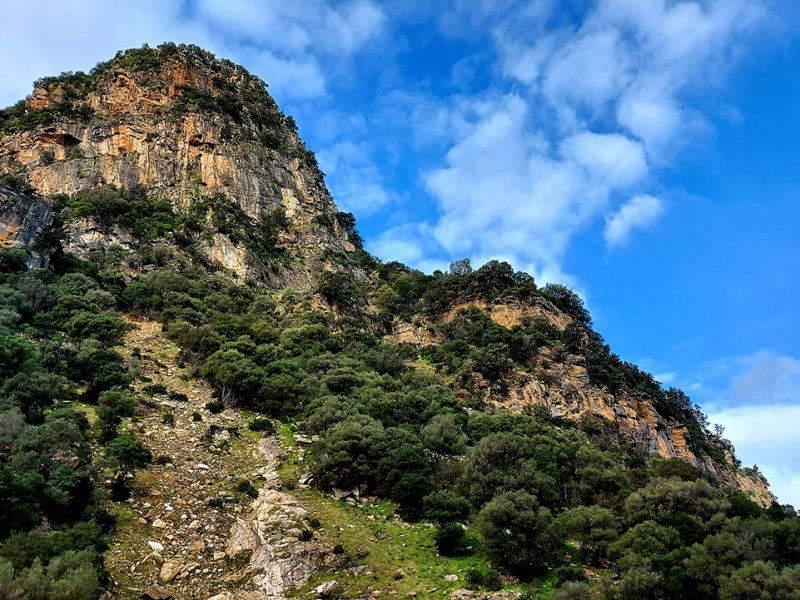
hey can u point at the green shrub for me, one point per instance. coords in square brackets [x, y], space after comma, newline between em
[519, 532]
[485, 578]
[305, 536]
[247, 488]
[451, 541]
[215, 407]
[262, 425]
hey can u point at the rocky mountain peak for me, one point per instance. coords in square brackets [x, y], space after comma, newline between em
[179, 125]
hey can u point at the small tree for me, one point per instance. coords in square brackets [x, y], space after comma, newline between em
[568, 301]
[460, 267]
[113, 406]
[126, 454]
[593, 526]
[445, 507]
[443, 435]
[518, 532]
[451, 541]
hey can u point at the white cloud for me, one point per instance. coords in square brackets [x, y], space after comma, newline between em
[589, 70]
[502, 195]
[757, 399]
[771, 378]
[601, 103]
[766, 435]
[403, 244]
[642, 211]
[611, 157]
[295, 28]
[353, 178]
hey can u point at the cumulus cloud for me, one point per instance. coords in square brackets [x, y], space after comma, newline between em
[640, 212]
[589, 70]
[354, 178]
[766, 435]
[403, 243]
[771, 378]
[611, 157]
[503, 195]
[601, 102]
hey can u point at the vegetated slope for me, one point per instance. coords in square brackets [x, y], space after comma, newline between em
[166, 184]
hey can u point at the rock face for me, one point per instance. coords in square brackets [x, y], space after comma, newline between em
[24, 218]
[183, 126]
[562, 386]
[278, 559]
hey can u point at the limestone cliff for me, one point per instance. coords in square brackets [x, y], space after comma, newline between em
[559, 382]
[182, 126]
[23, 220]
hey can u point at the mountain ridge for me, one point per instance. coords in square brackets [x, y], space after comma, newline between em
[181, 99]
[167, 186]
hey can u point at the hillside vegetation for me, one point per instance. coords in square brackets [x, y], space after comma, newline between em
[403, 456]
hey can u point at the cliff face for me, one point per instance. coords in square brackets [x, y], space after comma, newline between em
[181, 126]
[563, 387]
[23, 220]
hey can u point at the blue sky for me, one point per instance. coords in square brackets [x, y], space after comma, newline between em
[644, 152]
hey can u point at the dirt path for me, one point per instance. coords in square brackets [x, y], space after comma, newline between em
[193, 528]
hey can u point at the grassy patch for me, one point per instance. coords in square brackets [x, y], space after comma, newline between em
[373, 537]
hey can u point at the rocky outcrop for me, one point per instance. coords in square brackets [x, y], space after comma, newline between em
[270, 535]
[185, 127]
[560, 383]
[24, 218]
[509, 313]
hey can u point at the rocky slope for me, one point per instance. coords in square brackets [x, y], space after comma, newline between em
[190, 531]
[183, 126]
[560, 383]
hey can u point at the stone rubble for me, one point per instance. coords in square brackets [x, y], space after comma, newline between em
[192, 535]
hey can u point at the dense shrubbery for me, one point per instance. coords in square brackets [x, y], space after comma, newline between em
[57, 332]
[527, 483]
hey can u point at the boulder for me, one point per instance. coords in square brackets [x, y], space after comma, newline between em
[169, 570]
[327, 589]
[156, 592]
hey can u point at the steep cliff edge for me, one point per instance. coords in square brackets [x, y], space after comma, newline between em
[24, 219]
[183, 127]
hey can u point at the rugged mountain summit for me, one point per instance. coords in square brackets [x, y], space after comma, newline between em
[184, 127]
[178, 287]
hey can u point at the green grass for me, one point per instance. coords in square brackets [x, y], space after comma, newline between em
[374, 537]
